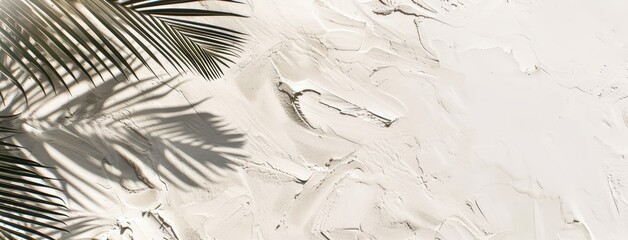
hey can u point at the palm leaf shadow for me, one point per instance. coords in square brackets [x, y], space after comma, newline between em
[47, 38]
[95, 140]
[83, 224]
[27, 199]
[108, 136]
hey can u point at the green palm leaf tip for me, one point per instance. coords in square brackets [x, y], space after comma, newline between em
[56, 42]
[29, 205]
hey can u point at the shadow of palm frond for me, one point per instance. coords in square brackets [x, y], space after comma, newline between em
[88, 225]
[125, 136]
[114, 138]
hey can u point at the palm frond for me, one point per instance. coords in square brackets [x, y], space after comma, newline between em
[28, 203]
[54, 41]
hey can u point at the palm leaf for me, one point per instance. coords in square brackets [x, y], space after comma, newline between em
[28, 204]
[56, 41]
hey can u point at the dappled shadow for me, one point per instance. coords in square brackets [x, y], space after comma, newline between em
[111, 139]
[123, 134]
[87, 224]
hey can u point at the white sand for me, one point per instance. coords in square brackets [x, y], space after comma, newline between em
[362, 119]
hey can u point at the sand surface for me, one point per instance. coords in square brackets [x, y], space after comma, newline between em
[361, 119]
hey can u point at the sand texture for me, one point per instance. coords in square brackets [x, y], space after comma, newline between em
[360, 119]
